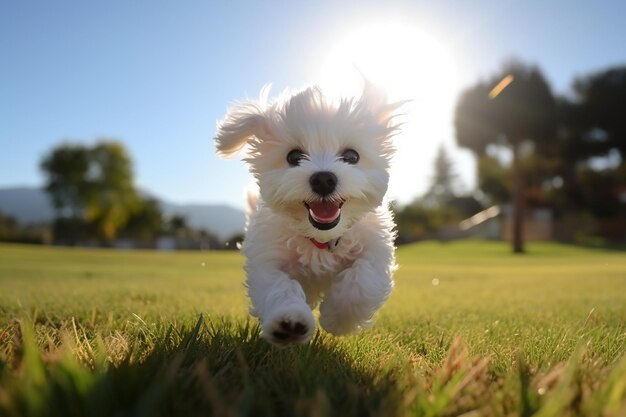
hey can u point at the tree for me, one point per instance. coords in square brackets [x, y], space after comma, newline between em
[511, 109]
[601, 100]
[591, 122]
[12, 231]
[66, 167]
[146, 222]
[91, 188]
[111, 197]
[438, 209]
[177, 225]
[444, 181]
[417, 221]
[494, 179]
[589, 154]
[9, 228]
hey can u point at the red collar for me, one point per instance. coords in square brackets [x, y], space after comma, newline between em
[325, 245]
[320, 245]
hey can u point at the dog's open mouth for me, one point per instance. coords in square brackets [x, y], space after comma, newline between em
[324, 214]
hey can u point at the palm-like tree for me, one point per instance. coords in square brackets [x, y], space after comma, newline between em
[512, 108]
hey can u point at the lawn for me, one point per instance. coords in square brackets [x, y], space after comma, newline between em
[470, 329]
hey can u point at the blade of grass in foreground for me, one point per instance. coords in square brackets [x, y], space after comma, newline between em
[223, 367]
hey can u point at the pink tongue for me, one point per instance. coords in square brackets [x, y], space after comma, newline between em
[324, 211]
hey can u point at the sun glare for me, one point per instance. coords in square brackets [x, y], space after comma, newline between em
[410, 65]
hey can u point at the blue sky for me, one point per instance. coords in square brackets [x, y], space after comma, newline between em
[158, 75]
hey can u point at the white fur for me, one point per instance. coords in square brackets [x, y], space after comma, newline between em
[287, 275]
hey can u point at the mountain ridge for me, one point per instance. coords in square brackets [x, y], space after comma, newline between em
[29, 205]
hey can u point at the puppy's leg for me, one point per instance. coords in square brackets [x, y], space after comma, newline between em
[354, 297]
[280, 303]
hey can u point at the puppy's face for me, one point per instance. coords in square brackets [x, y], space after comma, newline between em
[322, 166]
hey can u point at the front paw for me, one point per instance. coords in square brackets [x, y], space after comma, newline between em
[339, 323]
[289, 326]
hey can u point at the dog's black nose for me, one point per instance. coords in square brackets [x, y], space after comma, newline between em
[323, 183]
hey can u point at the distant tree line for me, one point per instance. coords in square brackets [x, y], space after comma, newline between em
[12, 231]
[97, 203]
[565, 153]
[533, 149]
[443, 205]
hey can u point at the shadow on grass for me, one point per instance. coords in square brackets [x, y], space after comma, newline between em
[218, 368]
[223, 368]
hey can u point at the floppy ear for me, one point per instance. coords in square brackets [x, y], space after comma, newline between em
[242, 123]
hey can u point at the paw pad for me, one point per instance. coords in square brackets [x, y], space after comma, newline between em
[289, 332]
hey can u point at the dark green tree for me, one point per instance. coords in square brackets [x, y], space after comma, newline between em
[9, 228]
[145, 222]
[590, 154]
[66, 167]
[599, 108]
[417, 221]
[91, 188]
[494, 179]
[513, 108]
[177, 225]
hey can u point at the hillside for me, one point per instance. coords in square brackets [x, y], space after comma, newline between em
[31, 205]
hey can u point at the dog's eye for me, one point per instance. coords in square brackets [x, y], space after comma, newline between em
[350, 156]
[294, 157]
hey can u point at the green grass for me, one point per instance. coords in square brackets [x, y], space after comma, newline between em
[87, 332]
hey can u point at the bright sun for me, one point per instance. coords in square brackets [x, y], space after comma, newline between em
[408, 64]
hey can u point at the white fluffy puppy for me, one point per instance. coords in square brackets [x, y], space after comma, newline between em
[320, 230]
